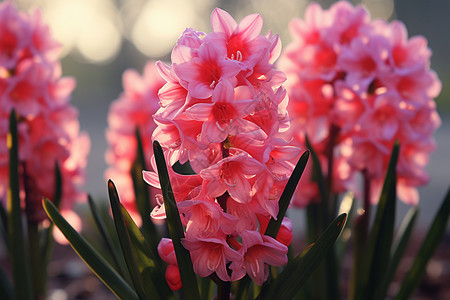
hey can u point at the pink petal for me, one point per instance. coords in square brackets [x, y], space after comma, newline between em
[200, 111]
[250, 27]
[221, 21]
[200, 90]
[151, 178]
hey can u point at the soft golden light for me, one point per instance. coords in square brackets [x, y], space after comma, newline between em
[160, 24]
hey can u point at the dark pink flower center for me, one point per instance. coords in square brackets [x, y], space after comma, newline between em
[222, 112]
[210, 73]
[236, 49]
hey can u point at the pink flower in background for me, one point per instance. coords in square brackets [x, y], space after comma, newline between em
[355, 87]
[223, 111]
[133, 110]
[48, 127]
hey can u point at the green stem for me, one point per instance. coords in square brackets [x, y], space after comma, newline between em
[331, 265]
[315, 287]
[367, 205]
[19, 258]
[223, 287]
[361, 231]
[332, 203]
[37, 273]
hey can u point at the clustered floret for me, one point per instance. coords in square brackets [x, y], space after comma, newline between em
[223, 110]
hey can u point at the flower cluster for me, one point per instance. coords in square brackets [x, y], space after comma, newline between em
[48, 128]
[133, 110]
[355, 87]
[223, 111]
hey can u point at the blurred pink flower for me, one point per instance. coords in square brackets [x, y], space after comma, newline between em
[48, 127]
[355, 87]
[133, 110]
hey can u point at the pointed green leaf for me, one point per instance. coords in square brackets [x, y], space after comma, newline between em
[19, 259]
[153, 276]
[47, 242]
[57, 194]
[426, 251]
[359, 255]
[101, 226]
[402, 241]
[176, 231]
[287, 284]
[4, 225]
[90, 256]
[348, 206]
[326, 211]
[6, 289]
[380, 239]
[286, 196]
[320, 180]
[125, 242]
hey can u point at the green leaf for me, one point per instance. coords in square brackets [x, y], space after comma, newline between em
[402, 241]
[188, 277]
[348, 206]
[6, 289]
[286, 196]
[125, 242]
[244, 290]
[287, 284]
[426, 251]
[378, 249]
[4, 225]
[153, 276]
[19, 260]
[142, 196]
[90, 256]
[206, 288]
[47, 240]
[325, 211]
[110, 246]
[359, 237]
[320, 183]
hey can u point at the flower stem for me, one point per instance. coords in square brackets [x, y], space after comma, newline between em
[223, 287]
[366, 207]
[37, 277]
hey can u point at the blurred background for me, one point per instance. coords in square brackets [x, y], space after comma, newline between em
[103, 38]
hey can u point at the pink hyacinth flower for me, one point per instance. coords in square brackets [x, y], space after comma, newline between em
[210, 255]
[224, 116]
[231, 174]
[258, 251]
[201, 74]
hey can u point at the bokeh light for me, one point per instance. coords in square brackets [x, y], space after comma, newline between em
[90, 29]
[159, 25]
[383, 9]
